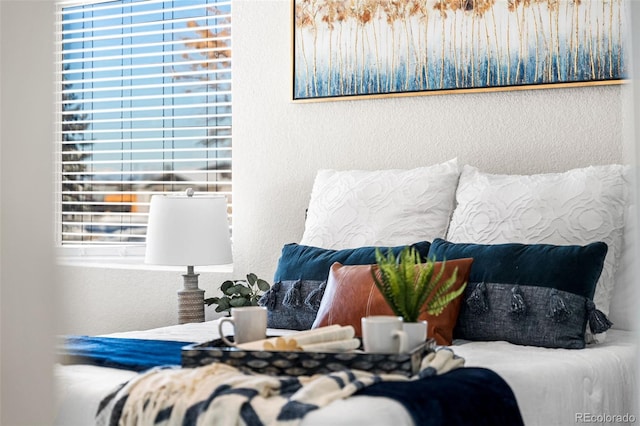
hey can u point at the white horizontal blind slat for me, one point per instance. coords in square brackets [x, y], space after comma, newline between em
[133, 26]
[154, 66]
[144, 108]
[142, 86]
[149, 151]
[71, 6]
[176, 118]
[136, 46]
[136, 35]
[147, 109]
[123, 78]
[131, 14]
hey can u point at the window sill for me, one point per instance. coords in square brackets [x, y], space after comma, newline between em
[135, 263]
[122, 258]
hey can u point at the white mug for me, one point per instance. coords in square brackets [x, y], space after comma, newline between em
[249, 323]
[416, 333]
[384, 334]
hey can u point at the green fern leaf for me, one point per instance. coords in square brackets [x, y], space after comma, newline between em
[411, 287]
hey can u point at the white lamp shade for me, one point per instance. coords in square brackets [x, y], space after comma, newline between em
[188, 231]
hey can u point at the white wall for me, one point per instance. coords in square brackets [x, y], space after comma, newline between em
[27, 278]
[279, 146]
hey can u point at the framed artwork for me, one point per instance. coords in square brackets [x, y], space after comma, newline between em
[371, 48]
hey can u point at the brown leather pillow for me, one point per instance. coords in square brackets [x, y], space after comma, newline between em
[352, 294]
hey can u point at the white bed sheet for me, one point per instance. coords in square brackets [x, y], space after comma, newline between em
[552, 386]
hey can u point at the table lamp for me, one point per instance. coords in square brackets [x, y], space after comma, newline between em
[188, 230]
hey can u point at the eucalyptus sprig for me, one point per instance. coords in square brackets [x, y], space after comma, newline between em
[238, 293]
[411, 287]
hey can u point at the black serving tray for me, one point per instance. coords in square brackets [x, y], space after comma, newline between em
[301, 363]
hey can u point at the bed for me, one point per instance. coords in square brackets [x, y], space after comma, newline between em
[553, 382]
[599, 380]
[82, 387]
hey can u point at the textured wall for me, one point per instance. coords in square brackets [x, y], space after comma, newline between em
[279, 145]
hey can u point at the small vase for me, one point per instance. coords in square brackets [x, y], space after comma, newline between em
[416, 333]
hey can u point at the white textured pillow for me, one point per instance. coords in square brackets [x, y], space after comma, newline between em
[580, 206]
[356, 208]
[623, 311]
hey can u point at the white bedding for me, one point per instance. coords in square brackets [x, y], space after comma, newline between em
[552, 386]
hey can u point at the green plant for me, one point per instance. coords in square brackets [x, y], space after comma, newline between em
[238, 293]
[411, 287]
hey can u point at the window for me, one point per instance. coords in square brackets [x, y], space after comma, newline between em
[144, 108]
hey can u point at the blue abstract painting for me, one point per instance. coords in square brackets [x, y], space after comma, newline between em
[347, 48]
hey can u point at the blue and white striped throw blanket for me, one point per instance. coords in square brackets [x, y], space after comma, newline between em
[218, 394]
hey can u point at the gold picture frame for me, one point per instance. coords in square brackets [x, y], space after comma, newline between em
[346, 49]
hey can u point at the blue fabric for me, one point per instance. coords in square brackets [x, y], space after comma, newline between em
[128, 354]
[464, 396]
[572, 268]
[300, 262]
[292, 313]
[548, 317]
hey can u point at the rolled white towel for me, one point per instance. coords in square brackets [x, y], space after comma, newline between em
[335, 346]
[332, 333]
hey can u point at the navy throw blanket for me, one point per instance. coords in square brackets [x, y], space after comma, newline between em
[465, 396]
[129, 354]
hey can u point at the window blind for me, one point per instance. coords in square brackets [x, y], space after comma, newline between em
[144, 108]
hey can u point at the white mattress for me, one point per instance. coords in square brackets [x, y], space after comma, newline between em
[552, 386]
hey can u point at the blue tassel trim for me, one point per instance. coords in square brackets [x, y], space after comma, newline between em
[558, 310]
[477, 300]
[293, 296]
[314, 297]
[269, 298]
[518, 307]
[598, 321]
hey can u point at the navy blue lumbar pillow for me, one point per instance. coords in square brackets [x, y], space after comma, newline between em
[300, 262]
[529, 294]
